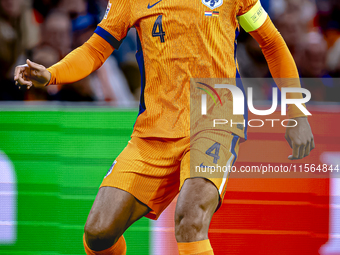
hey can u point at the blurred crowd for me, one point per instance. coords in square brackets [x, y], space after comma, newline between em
[47, 30]
[311, 29]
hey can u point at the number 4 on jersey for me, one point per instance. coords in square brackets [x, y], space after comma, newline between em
[216, 148]
[158, 24]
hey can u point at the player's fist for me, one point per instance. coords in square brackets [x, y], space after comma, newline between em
[31, 74]
[300, 138]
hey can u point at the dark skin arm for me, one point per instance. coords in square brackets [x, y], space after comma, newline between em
[300, 138]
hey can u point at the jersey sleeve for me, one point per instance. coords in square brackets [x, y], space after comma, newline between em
[116, 22]
[280, 61]
[81, 62]
[251, 15]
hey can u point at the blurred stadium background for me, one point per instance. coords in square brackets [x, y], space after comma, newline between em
[57, 143]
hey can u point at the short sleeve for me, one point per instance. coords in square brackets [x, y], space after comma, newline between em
[116, 22]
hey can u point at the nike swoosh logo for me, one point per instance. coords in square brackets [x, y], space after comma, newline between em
[150, 6]
[203, 166]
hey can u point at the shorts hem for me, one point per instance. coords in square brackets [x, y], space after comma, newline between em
[152, 215]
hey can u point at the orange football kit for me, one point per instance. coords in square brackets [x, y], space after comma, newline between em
[177, 41]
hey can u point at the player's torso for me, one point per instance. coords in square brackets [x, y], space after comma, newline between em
[195, 33]
[181, 40]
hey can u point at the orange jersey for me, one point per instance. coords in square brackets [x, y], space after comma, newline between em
[178, 40]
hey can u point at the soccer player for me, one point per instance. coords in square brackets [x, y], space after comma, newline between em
[178, 40]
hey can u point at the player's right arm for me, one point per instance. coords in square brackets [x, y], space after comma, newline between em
[75, 66]
[86, 59]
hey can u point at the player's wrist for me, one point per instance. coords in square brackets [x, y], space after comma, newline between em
[50, 77]
[294, 112]
[300, 116]
[302, 119]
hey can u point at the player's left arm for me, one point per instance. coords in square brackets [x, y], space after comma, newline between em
[283, 69]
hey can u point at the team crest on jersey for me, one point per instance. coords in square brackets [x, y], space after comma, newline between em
[212, 4]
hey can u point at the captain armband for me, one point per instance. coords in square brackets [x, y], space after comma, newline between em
[253, 19]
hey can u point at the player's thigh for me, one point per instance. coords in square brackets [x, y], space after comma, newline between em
[196, 204]
[113, 211]
[197, 195]
[211, 156]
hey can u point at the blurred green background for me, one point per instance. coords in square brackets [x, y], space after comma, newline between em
[60, 156]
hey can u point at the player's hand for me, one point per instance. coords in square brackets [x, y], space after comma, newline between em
[31, 74]
[300, 138]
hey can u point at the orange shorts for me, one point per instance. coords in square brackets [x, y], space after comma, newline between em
[153, 170]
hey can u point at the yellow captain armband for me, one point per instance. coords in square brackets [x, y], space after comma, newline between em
[253, 19]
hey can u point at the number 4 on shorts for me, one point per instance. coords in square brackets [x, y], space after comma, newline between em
[216, 148]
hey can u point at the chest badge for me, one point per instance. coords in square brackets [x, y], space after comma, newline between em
[212, 4]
